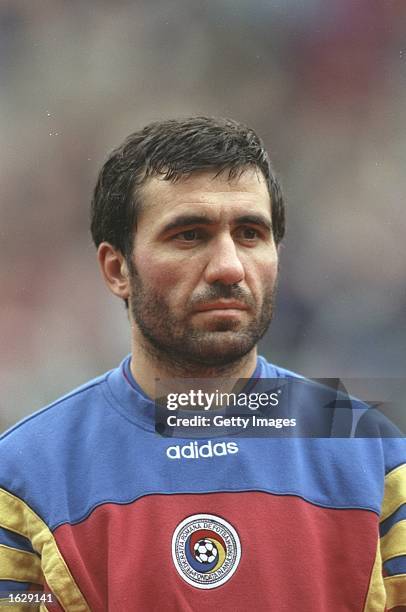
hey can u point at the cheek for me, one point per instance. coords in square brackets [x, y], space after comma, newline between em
[271, 272]
[165, 278]
[262, 276]
[152, 270]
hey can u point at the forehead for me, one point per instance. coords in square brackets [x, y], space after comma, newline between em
[203, 191]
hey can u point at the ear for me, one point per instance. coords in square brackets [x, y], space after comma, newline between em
[114, 269]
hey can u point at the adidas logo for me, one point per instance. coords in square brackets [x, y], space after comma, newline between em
[194, 450]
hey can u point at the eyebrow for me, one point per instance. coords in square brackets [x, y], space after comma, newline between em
[186, 220]
[254, 220]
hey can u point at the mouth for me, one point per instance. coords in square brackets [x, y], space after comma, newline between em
[222, 306]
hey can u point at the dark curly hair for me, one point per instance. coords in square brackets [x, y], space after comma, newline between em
[173, 149]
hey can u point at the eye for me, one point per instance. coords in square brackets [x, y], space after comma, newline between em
[189, 238]
[188, 235]
[248, 233]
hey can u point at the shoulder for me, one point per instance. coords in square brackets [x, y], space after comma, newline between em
[326, 406]
[50, 452]
[57, 418]
[271, 370]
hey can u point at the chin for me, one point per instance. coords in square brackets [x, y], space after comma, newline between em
[221, 326]
[223, 347]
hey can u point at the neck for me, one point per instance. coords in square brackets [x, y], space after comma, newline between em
[147, 366]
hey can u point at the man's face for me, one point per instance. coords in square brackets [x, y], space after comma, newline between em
[204, 267]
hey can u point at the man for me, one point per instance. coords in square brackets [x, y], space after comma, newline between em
[102, 513]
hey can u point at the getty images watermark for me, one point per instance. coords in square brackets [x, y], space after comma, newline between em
[217, 400]
[281, 407]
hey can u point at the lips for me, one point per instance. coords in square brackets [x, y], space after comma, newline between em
[221, 305]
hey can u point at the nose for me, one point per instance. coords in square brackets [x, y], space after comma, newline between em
[225, 265]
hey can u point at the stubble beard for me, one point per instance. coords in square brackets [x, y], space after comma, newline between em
[186, 349]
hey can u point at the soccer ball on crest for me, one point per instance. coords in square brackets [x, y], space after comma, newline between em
[205, 551]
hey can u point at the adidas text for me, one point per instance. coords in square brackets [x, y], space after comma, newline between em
[194, 450]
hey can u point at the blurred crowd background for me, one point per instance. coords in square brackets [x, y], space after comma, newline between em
[324, 84]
